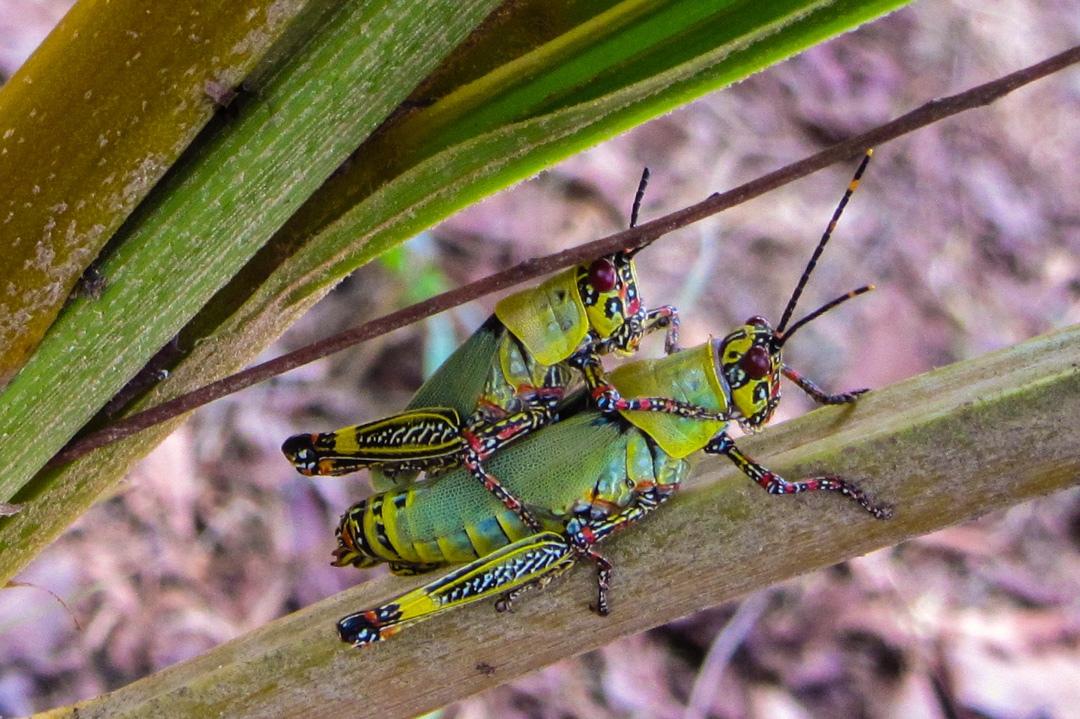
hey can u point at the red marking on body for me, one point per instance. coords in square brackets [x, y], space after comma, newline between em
[470, 438]
[511, 430]
[606, 504]
[490, 409]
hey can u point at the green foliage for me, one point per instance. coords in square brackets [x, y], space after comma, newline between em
[363, 124]
[92, 121]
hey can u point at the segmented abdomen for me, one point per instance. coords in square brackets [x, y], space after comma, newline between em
[394, 528]
[586, 466]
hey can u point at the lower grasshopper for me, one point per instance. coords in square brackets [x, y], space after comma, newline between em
[582, 478]
[586, 476]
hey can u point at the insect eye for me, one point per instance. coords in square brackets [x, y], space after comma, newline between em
[758, 321]
[602, 275]
[756, 363]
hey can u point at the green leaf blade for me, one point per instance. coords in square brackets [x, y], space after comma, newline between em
[211, 215]
[92, 121]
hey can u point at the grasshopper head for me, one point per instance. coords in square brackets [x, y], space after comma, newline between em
[749, 361]
[608, 288]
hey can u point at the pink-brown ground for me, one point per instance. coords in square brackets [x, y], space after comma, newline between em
[971, 231]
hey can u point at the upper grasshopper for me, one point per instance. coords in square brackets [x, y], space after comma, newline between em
[505, 380]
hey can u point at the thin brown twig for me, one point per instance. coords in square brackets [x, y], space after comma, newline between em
[57, 597]
[639, 236]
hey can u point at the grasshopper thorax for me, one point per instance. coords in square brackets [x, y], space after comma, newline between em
[748, 359]
[609, 290]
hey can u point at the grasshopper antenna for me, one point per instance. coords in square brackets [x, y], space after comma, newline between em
[790, 309]
[781, 339]
[642, 184]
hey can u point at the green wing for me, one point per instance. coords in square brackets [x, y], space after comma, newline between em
[460, 379]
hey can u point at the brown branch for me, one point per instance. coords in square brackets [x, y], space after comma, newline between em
[640, 236]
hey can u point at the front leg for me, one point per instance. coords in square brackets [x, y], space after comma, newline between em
[819, 395]
[775, 484]
[665, 317]
[627, 337]
[483, 439]
[607, 397]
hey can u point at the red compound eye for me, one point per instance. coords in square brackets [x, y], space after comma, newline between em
[602, 275]
[758, 321]
[756, 363]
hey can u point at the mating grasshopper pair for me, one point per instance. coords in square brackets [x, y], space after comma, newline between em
[571, 484]
[505, 381]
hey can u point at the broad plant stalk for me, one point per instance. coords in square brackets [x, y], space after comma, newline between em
[944, 447]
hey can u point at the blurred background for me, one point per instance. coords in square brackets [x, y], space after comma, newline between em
[971, 231]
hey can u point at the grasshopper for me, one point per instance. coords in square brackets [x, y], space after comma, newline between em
[581, 476]
[585, 476]
[506, 380]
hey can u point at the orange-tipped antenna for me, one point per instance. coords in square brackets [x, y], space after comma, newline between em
[782, 338]
[790, 309]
